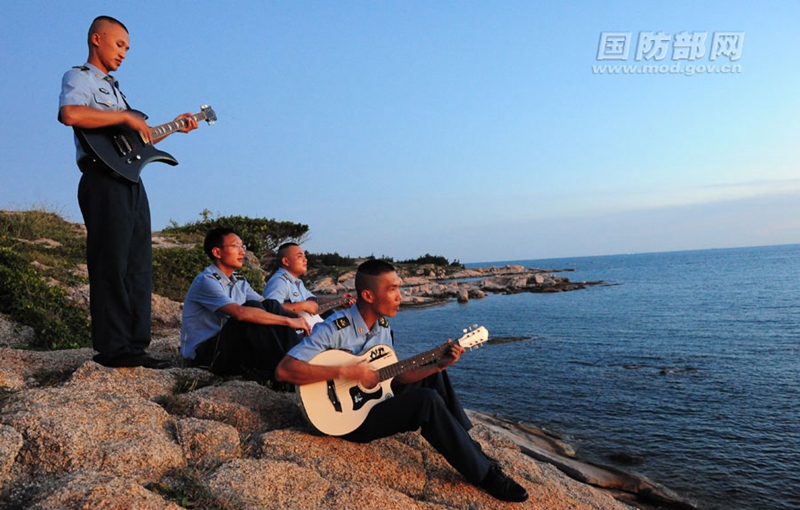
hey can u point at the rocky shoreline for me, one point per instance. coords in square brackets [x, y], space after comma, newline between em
[429, 285]
[74, 434]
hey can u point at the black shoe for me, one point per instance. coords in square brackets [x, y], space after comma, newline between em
[503, 487]
[123, 360]
[131, 360]
[148, 361]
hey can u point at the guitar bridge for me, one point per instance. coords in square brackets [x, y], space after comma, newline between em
[337, 404]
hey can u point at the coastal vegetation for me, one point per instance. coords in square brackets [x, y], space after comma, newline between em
[43, 265]
[40, 254]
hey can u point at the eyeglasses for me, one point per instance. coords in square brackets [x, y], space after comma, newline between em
[236, 246]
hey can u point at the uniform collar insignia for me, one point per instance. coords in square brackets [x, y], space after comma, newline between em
[341, 322]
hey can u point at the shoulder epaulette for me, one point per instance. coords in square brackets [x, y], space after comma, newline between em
[383, 322]
[341, 322]
[82, 68]
[235, 277]
[217, 276]
[286, 277]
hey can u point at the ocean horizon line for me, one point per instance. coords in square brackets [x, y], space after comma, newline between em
[665, 252]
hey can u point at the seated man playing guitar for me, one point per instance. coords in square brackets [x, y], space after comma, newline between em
[285, 286]
[423, 397]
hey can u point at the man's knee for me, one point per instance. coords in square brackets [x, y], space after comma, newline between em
[254, 304]
[429, 402]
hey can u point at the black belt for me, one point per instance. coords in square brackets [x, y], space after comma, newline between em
[94, 165]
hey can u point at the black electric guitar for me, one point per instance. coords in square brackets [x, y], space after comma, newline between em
[124, 150]
[338, 406]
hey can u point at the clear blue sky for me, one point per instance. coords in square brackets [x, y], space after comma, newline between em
[475, 130]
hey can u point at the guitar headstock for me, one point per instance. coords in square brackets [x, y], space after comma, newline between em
[473, 337]
[209, 114]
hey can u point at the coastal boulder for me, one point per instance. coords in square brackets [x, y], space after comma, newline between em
[20, 369]
[244, 405]
[387, 462]
[97, 490]
[10, 445]
[165, 312]
[68, 429]
[206, 442]
[262, 483]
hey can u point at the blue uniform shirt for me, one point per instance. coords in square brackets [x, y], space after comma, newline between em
[344, 330]
[285, 288]
[210, 291]
[88, 86]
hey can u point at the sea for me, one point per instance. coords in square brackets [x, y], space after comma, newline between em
[686, 362]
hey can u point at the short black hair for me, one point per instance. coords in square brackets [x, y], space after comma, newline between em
[99, 21]
[368, 271]
[282, 249]
[214, 239]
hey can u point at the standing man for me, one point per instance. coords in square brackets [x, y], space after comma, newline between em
[227, 326]
[286, 287]
[115, 211]
[424, 398]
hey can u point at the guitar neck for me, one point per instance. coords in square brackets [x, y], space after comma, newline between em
[332, 304]
[411, 363]
[168, 128]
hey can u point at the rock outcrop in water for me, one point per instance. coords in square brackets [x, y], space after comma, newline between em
[429, 284]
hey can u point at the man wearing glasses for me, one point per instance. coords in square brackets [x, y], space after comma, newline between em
[227, 326]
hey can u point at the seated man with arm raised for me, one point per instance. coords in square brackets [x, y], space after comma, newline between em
[227, 326]
[286, 287]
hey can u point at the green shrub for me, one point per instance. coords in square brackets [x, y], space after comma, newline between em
[175, 268]
[329, 259]
[436, 260]
[26, 297]
[31, 233]
[261, 235]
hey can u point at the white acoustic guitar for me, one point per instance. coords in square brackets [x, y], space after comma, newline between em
[315, 319]
[338, 406]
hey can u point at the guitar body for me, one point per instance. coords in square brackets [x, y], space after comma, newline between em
[315, 319]
[338, 407]
[122, 149]
[312, 320]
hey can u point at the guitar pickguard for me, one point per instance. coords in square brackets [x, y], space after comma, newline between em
[360, 397]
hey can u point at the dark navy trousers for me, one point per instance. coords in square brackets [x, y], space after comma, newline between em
[248, 349]
[119, 258]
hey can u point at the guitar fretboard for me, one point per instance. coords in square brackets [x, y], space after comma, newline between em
[411, 363]
[167, 128]
[331, 305]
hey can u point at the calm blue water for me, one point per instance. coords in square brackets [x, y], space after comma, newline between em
[692, 362]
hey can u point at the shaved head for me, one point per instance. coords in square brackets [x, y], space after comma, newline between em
[100, 24]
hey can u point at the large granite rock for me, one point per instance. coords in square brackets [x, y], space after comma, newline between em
[137, 438]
